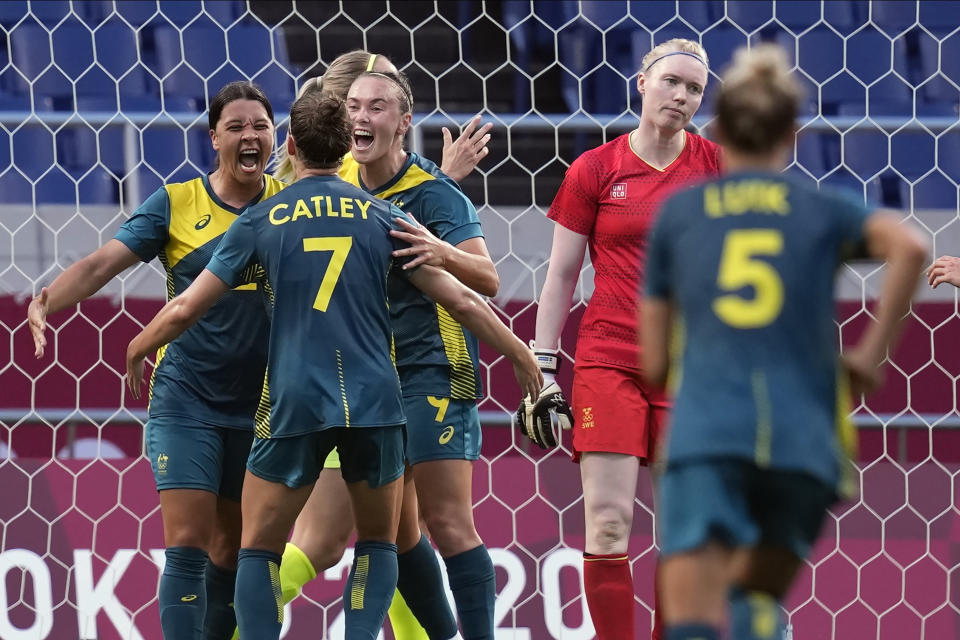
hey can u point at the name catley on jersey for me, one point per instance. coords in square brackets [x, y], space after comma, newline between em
[326, 249]
[213, 372]
[435, 355]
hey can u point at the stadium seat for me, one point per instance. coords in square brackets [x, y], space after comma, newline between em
[820, 53]
[935, 192]
[942, 61]
[33, 150]
[30, 52]
[720, 43]
[72, 47]
[15, 188]
[912, 154]
[865, 151]
[116, 50]
[894, 17]
[948, 155]
[798, 15]
[701, 13]
[50, 12]
[56, 187]
[939, 17]
[750, 16]
[12, 12]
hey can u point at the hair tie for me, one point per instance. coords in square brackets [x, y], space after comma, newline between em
[676, 53]
[373, 58]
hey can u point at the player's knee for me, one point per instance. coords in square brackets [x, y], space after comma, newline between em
[452, 533]
[609, 531]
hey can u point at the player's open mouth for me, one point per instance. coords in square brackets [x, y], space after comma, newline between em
[250, 160]
[362, 139]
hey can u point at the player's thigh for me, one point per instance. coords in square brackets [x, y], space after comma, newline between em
[281, 475]
[188, 454]
[325, 523]
[188, 517]
[372, 463]
[609, 481]
[444, 490]
[613, 412]
[694, 585]
[441, 429]
[705, 501]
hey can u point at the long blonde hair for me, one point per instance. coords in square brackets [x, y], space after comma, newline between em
[336, 80]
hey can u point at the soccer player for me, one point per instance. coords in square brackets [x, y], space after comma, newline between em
[326, 250]
[205, 388]
[323, 529]
[746, 266]
[437, 361]
[607, 202]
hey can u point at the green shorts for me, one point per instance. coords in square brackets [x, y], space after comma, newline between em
[441, 429]
[187, 454]
[371, 454]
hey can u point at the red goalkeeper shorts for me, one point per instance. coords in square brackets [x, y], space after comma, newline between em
[614, 412]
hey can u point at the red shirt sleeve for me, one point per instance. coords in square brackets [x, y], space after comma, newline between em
[576, 203]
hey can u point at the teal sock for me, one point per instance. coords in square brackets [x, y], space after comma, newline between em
[474, 585]
[181, 598]
[369, 590]
[754, 615]
[691, 632]
[257, 600]
[220, 619]
[420, 582]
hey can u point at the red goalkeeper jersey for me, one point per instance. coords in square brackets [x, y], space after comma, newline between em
[612, 196]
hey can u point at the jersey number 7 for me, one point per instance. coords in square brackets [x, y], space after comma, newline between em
[340, 246]
[741, 266]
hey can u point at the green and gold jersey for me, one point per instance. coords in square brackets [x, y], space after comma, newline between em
[214, 371]
[435, 355]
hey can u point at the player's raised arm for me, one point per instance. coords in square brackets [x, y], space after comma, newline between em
[78, 282]
[905, 253]
[461, 156]
[177, 316]
[470, 310]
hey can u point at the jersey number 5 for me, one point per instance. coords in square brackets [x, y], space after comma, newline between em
[340, 245]
[741, 265]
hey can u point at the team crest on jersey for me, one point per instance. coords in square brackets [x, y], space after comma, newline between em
[586, 418]
[618, 191]
[162, 463]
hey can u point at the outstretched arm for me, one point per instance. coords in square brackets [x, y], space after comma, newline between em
[462, 155]
[905, 253]
[78, 282]
[470, 310]
[177, 316]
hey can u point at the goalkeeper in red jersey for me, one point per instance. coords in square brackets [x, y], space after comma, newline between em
[607, 202]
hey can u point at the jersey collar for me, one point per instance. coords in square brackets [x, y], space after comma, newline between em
[411, 157]
[223, 205]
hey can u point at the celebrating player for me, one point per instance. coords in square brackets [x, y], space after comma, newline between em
[754, 455]
[322, 531]
[436, 358]
[331, 380]
[204, 390]
[607, 201]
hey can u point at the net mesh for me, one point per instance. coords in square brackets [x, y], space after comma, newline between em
[102, 102]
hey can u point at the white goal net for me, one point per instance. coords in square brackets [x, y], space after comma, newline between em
[101, 102]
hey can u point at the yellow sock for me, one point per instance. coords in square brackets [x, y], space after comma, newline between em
[295, 571]
[405, 625]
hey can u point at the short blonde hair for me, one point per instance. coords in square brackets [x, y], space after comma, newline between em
[336, 80]
[671, 46]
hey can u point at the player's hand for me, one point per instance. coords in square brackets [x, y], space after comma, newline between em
[134, 373]
[428, 248]
[37, 318]
[863, 367]
[545, 411]
[462, 155]
[944, 269]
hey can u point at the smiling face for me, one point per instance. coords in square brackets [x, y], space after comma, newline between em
[672, 90]
[243, 140]
[373, 106]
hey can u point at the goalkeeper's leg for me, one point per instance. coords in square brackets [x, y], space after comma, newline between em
[609, 487]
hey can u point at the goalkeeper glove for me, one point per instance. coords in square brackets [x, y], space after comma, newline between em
[541, 418]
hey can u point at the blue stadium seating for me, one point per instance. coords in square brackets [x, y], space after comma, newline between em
[948, 155]
[116, 50]
[33, 147]
[798, 15]
[865, 151]
[15, 188]
[939, 17]
[894, 16]
[98, 187]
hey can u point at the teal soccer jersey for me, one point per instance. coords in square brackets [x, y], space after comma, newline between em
[214, 371]
[435, 355]
[326, 249]
[749, 264]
